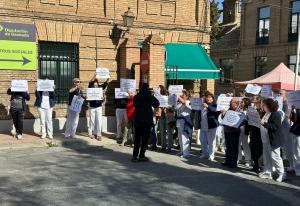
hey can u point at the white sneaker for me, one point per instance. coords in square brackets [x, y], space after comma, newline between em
[247, 165]
[281, 177]
[50, 136]
[265, 175]
[43, 136]
[19, 136]
[212, 160]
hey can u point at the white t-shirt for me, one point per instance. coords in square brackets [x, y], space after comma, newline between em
[45, 100]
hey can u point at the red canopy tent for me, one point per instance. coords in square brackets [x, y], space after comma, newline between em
[280, 78]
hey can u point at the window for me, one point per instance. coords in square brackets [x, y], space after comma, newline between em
[292, 62]
[294, 21]
[59, 61]
[262, 36]
[226, 66]
[260, 65]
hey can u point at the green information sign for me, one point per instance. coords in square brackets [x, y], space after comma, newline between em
[18, 49]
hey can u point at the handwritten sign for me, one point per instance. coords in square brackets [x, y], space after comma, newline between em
[45, 85]
[76, 104]
[172, 100]
[293, 99]
[253, 117]
[176, 89]
[19, 85]
[196, 103]
[128, 84]
[102, 73]
[163, 100]
[233, 119]
[279, 100]
[94, 94]
[119, 94]
[223, 103]
[266, 91]
[156, 91]
[253, 89]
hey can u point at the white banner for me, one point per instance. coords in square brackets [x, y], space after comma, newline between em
[293, 99]
[196, 103]
[19, 86]
[102, 73]
[45, 85]
[253, 117]
[279, 100]
[172, 100]
[163, 100]
[233, 119]
[266, 91]
[76, 104]
[119, 94]
[94, 94]
[223, 103]
[176, 89]
[253, 89]
[128, 84]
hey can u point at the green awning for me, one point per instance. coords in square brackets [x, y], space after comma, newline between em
[189, 61]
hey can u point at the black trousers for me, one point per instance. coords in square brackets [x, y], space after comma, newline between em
[18, 119]
[232, 148]
[142, 134]
[255, 146]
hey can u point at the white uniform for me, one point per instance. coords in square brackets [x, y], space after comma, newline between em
[72, 123]
[45, 112]
[95, 123]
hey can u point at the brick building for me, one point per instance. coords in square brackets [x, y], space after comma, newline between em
[76, 36]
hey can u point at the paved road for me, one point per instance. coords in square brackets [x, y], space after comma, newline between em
[104, 175]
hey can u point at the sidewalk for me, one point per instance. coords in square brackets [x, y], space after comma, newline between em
[34, 141]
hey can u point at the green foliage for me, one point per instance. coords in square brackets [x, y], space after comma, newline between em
[214, 21]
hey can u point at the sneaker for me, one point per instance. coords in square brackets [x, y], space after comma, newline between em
[43, 136]
[247, 165]
[134, 159]
[19, 136]
[265, 175]
[281, 177]
[212, 160]
[143, 159]
[50, 136]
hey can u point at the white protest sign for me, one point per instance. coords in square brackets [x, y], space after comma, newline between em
[223, 103]
[196, 103]
[76, 104]
[266, 91]
[253, 89]
[45, 85]
[233, 119]
[176, 89]
[163, 100]
[19, 86]
[222, 95]
[128, 84]
[293, 99]
[253, 117]
[156, 91]
[119, 94]
[279, 100]
[94, 94]
[102, 73]
[172, 100]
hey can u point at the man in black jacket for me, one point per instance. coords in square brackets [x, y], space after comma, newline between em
[143, 103]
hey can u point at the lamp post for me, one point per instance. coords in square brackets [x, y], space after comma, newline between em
[297, 60]
[128, 19]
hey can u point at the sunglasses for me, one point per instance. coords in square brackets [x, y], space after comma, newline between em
[78, 82]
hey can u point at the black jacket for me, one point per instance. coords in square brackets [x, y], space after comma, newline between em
[97, 103]
[295, 118]
[143, 103]
[24, 95]
[212, 116]
[275, 130]
[39, 96]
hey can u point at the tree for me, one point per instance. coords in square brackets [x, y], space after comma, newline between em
[214, 21]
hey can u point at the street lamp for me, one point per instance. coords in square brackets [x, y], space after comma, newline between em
[128, 19]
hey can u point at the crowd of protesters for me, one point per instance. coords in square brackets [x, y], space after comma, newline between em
[143, 123]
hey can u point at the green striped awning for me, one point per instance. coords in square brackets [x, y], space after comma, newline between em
[189, 61]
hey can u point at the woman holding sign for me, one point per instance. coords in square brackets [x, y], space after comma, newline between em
[45, 103]
[95, 109]
[17, 110]
[75, 94]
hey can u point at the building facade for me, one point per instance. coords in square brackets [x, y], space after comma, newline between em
[76, 36]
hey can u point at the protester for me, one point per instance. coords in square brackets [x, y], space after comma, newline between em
[272, 137]
[130, 117]
[73, 117]
[121, 116]
[143, 103]
[255, 136]
[232, 136]
[184, 124]
[208, 126]
[45, 103]
[295, 132]
[244, 136]
[17, 110]
[95, 109]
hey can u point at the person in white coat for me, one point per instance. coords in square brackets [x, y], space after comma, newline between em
[184, 123]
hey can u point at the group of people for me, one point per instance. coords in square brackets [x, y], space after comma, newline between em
[140, 117]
